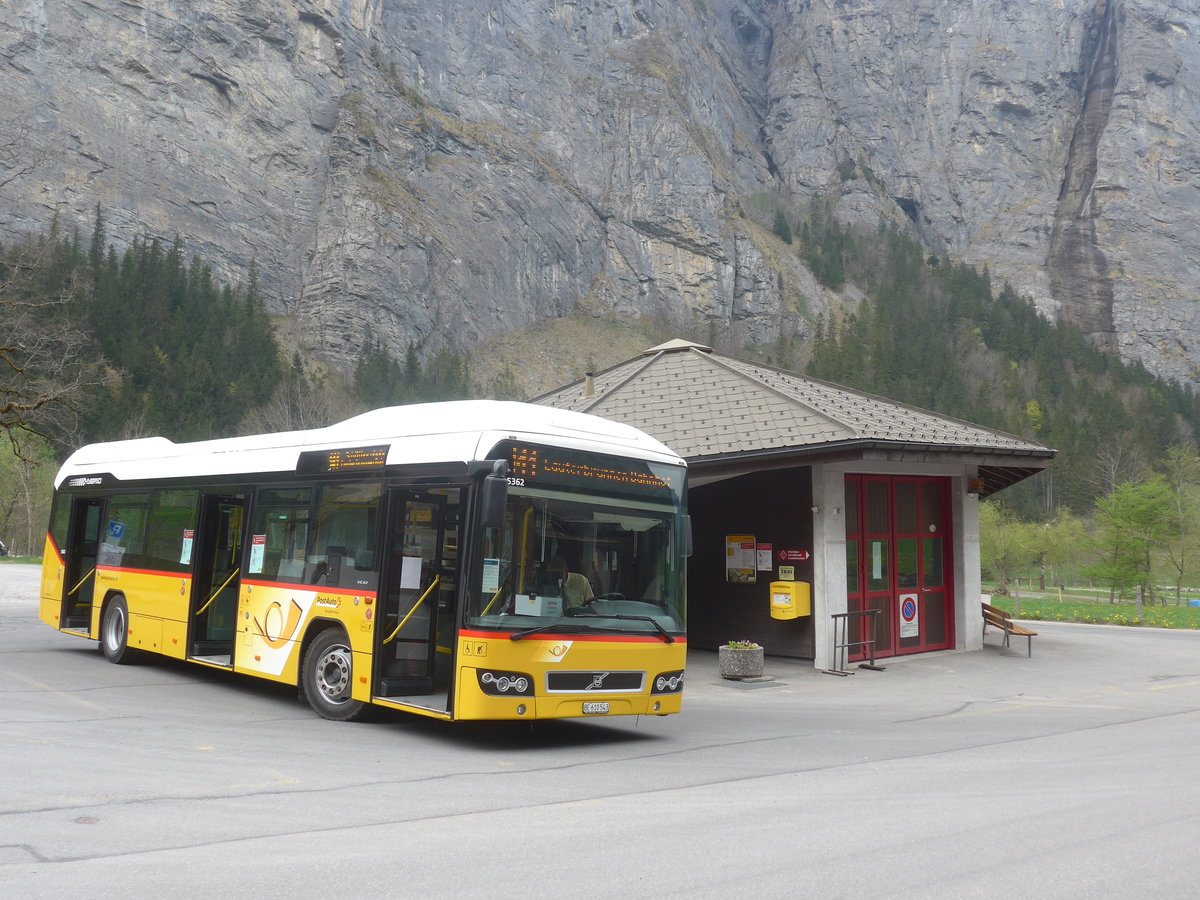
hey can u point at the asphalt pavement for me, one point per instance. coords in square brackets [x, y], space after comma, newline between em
[955, 774]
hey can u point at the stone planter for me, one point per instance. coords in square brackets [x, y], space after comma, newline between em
[737, 662]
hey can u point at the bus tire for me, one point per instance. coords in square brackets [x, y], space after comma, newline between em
[327, 675]
[114, 632]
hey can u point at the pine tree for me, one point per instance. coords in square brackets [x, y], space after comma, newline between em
[782, 228]
[99, 244]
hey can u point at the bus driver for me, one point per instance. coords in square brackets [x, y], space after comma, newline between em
[576, 589]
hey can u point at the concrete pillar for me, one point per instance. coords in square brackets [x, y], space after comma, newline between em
[829, 558]
[968, 588]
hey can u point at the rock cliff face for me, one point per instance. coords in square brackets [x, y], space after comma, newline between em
[445, 173]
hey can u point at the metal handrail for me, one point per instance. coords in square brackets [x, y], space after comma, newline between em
[81, 581]
[391, 637]
[202, 609]
[496, 596]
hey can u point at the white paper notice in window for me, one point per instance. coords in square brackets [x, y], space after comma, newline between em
[410, 573]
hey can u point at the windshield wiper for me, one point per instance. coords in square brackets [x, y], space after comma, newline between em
[653, 621]
[576, 628]
[553, 626]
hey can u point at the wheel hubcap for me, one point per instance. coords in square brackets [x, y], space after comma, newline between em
[333, 674]
[116, 629]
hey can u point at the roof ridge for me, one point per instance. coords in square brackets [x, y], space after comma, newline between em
[721, 360]
[880, 400]
[620, 384]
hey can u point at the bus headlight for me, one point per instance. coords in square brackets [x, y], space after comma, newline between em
[668, 683]
[504, 684]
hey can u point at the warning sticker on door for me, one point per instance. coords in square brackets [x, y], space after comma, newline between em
[910, 626]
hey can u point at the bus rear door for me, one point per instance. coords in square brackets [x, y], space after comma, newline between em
[82, 551]
[213, 610]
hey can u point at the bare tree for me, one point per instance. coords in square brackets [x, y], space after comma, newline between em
[26, 488]
[301, 401]
[45, 360]
[1181, 467]
[1117, 461]
[42, 357]
[17, 155]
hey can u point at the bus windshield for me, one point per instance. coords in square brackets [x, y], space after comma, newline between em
[566, 563]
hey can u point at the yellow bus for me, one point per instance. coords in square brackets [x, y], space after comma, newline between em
[463, 560]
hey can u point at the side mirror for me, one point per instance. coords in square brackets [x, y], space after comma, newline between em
[687, 536]
[494, 495]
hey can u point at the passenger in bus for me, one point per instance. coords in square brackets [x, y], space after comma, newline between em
[576, 589]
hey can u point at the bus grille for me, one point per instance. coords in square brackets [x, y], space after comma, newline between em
[598, 682]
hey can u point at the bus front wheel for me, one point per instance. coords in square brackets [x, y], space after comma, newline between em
[327, 676]
[114, 632]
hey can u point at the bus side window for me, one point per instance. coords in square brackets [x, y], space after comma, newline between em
[60, 520]
[124, 535]
[344, 541]
[171, 517]
[281, 520]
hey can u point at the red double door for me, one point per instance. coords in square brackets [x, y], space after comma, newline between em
[899, 561]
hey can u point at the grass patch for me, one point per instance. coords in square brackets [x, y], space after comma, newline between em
[1050, 609]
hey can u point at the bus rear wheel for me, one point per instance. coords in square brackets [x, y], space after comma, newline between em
[327, 676]
[114, 632]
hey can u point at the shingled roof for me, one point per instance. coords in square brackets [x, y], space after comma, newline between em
[711, 408]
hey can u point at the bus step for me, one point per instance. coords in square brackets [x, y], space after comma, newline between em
[212, 648]
[405, 685]
[214, 660]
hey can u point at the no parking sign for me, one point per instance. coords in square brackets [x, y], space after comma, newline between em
[910, 625]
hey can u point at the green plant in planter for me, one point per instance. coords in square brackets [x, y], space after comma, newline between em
[740, 659]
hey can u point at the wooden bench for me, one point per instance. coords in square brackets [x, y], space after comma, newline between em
[998, 618]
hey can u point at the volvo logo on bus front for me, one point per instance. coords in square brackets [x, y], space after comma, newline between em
[597, 681]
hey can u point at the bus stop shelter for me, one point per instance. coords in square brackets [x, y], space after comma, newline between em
[872, 504]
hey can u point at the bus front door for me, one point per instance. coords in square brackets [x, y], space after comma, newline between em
[216, 579]
[83, 548]
[412, 581]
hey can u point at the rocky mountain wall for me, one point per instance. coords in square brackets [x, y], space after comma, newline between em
[445, 173]
[1056, 143]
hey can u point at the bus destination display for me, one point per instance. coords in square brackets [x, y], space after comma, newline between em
[568, 468]
[343, 459]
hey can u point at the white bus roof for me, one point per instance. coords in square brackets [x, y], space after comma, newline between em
[457, 431]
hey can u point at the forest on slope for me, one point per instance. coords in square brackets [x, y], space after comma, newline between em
[97, 345]
[939, 335]
[107, 346]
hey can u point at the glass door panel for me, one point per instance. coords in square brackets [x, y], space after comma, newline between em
[878, 507]
[852, 571]
[82, 555]
[880, 569]
[410, 596]
[896, 561]
[932, 568]
[217, 579]
[878, 566]
[935, 598]
[905, 504]
[885, 627]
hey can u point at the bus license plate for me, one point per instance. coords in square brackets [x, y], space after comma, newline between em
[595, 708]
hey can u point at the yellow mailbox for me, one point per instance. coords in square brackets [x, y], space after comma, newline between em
[790, 599]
